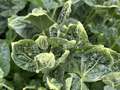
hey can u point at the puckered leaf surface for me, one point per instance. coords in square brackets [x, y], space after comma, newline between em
[23, 53]
[93, 64]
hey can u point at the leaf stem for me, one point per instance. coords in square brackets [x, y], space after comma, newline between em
[4, 85]
[81, 81]
[53, 14]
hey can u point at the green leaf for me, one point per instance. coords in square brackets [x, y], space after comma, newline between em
[10, 36]
[34, 23]
[23, 53]
[11, 7]
[68, 36]
[41, 88]
[78, 33]
[109, 88]
[106, 32]
[102, 3]
[65, 12]
[99, 85]
[70, 44]
[39, 19]
[56, 41]
[3, 22]
[62, 58]
[36, 2]
[91, 64]
[116, 44]
[4, 57]
[50, 4]
[74, 83]
[27, 55]
[77, 12]
[45, 61]
[112, 79]
[42, 42]
[19, 80]
[47, 4]
[53, 84]
[77, 51]
[22, 27]
[28, 87]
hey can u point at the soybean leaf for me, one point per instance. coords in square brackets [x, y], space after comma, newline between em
[3, 22]
[73, 32]
[103, 20]
[76, 32]
[100, 21]
[47, 4]
[60, 52]
[93, 64]
[40, 19]
[22, 27]
[36, 2]
[99, 85]
[55, 41]
[112, 79]
[102, 3]
[42, 42]
[34, 23]
[54, 84]
[45, 61]
[74, 83]
[42, 88]
[10, 36]
[101, 30]
[4, 57]
[61, 42]
[81, 12]
[11, 7]
[23, 53]
[50, 4]
[27, 55]
[65, 12]
[109, 88]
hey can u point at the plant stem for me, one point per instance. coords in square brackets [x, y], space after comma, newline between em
[81, 81]
[53, 14]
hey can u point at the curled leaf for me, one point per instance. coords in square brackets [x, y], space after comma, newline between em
[65, 12]
[23, 53]
[42, 42]
[73, 82]
[54, 84]
[45, 61]
[39, 19]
